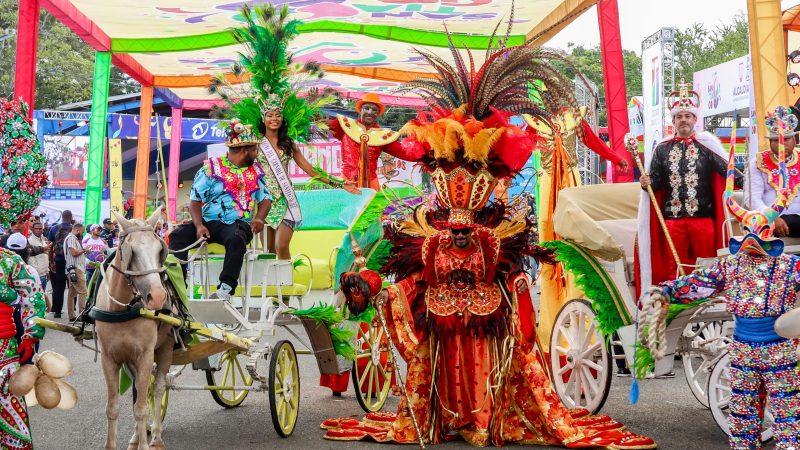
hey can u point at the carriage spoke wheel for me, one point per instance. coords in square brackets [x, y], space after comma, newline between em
[373, 367]
[719, 397]
[579, 357]
[152, 402]
[284, 388]
[698, 362]
[231, 374]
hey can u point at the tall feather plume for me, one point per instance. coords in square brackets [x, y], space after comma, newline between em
[270, 71]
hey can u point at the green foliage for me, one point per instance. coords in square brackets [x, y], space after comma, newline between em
[65, 64]
[698, 47]
[588, 61]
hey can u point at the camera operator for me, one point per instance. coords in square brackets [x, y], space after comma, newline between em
[75, 256]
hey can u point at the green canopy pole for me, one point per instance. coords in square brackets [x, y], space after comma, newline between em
[97, 137]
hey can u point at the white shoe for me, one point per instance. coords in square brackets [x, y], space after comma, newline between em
[222, 293]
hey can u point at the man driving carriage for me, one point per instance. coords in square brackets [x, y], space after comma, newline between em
[228, 204]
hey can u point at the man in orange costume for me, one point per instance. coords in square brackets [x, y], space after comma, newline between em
[363, 141]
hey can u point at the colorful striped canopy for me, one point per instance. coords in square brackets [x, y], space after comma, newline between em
[364, 45]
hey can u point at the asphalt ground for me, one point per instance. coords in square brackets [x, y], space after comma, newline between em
[667, 411]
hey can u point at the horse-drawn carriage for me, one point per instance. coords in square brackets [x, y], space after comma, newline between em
[594, 332]
[230, 339]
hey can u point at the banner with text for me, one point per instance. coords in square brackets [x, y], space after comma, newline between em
[652, 99]
[115, 175]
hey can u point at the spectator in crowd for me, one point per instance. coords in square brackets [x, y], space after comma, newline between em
[96, 248]
[14, 227]
[57, 235]
[40, 262]
[75, 267]
[109, 233]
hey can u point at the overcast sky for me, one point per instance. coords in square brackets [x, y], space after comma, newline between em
[641, 18]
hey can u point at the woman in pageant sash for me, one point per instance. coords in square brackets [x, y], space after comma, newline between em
[277, 150]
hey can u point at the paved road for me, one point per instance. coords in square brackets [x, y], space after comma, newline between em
[667, 411]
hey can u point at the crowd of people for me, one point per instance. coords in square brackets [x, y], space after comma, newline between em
[64, 257]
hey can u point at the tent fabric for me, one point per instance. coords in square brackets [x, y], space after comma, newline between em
[588, 216]
[179, 43]
[597, 145]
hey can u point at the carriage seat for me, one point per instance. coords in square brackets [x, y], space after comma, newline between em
[732, 227]
[624, 233]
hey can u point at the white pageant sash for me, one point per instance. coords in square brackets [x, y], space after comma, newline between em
[293, 206]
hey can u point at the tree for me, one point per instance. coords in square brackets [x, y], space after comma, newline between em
[588, 61]
[698, 48]
[65, 65]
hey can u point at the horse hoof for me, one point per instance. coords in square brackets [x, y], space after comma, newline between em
[137, 447]
[157, 446]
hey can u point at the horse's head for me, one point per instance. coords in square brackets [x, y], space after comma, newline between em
[140, 257]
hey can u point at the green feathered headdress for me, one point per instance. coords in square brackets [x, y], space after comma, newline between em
[273, 80]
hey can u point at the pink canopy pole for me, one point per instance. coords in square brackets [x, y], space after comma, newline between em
[27, 43]
[614, 81]
[173, 171]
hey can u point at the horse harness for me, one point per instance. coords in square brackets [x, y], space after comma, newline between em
[120, 264]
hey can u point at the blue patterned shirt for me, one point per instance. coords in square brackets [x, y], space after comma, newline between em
[229, 193]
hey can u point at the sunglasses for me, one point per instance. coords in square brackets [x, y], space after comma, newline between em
[463, 231]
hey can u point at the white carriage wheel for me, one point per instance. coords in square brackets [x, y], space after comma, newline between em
[579, 357]
[698, 362]
[719, 396]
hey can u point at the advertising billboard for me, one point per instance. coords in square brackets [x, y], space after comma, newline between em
[723, 88]
[653, 99]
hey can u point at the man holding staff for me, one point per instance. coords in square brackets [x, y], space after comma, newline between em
[687, 175]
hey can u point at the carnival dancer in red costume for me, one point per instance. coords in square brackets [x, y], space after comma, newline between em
[459, 311]
[764, 174]
[687, 174]
[363, 141]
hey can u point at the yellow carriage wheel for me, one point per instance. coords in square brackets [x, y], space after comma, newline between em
[284, 388]
[231, 374]
[373, 367]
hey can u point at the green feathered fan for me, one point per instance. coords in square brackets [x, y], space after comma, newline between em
[272, 78]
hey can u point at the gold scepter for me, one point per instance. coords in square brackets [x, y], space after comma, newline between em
[359, 264]
[633, 147]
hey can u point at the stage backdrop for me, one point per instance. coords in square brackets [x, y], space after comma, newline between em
[66, 160]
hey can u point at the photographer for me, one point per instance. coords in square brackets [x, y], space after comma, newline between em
[109, 233]
[75, 256]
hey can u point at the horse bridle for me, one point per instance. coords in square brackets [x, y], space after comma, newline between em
[131, 274]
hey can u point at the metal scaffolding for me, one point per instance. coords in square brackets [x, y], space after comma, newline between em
[587, 160]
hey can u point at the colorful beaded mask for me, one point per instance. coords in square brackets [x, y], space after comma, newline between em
[758, 225]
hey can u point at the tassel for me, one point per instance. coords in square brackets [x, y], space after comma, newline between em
[634, 394]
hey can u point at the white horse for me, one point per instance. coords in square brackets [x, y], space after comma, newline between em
[134, 279]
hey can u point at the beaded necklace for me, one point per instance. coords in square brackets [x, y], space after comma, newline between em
[240, 183]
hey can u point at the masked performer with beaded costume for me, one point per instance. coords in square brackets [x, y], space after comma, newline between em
[459, 311]
[760, 284]
[273, 106]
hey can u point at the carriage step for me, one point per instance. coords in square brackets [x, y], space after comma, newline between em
[216, 311]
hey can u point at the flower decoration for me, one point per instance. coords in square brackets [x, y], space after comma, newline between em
[23, 174]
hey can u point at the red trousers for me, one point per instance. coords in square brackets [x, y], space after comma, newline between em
[693, 238]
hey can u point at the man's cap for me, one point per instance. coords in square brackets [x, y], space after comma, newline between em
[107, 221]
[16, 242]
